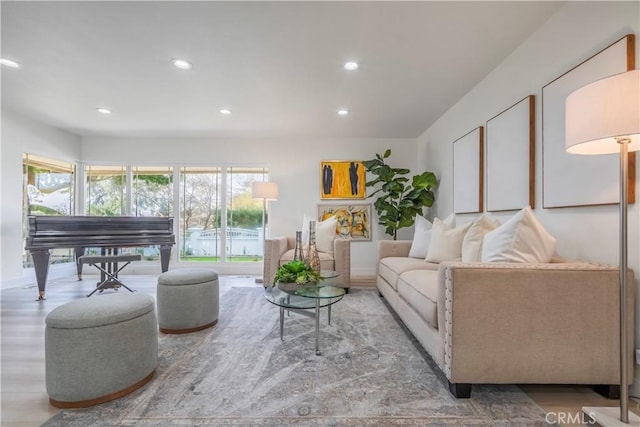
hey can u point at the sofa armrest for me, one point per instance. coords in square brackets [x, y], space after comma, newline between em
[274, 248]
[532, 323]
[342, 261]
[393, 248]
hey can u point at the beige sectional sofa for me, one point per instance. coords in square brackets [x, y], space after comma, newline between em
[515, 323]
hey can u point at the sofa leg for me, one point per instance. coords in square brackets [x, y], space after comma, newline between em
[608, 391]
[460, 390]
[380, 294]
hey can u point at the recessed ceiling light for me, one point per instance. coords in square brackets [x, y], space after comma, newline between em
[9, 63]
[351, 66]
[103, 110]
[225, 111]
[343, 112]
[182, 64]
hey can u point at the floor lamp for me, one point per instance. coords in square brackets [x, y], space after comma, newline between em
[603, 117]
[265, 191]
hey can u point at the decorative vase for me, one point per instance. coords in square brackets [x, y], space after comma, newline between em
[312, 259]
[297, 249]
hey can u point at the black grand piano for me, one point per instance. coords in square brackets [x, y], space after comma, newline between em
[80, 232]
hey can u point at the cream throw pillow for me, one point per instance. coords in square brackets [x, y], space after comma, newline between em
[446, 242]
[421, 238]
[325, 233]
[472, 242]
[521, 239]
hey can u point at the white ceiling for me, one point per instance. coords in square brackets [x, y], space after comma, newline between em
[276, 65]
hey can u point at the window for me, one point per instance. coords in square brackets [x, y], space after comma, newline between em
[106, 190]
[200, 214]
[244, 215]
[219, 220]
[49, 189]
[152, 191]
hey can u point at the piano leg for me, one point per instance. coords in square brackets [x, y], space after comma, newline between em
[41, 266]
[79, 251]
[165, 256]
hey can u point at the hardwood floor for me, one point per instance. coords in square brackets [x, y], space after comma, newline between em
[24, 401]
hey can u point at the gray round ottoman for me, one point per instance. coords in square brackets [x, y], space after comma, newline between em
[187, 300]
[99, 349]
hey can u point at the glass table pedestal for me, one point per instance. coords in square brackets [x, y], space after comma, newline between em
[306, 300]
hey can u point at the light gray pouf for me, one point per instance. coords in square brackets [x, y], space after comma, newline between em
[99, 349]
[188, 300]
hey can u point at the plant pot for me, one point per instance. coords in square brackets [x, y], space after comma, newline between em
[292, 287]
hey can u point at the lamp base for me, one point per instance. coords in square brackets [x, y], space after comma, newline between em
[609, 416]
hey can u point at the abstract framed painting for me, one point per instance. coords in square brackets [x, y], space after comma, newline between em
[510, 157]
[342, 179]
[468, 167]
[568, 180]
[353, 220]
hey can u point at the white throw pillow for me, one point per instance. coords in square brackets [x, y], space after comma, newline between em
[325, 233]
[521, 239]
[421, 238]
[446, 242]
[472, 242]
[422, 235]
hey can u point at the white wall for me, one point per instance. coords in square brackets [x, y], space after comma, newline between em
[573, 34]
[294, 164]
[21, 135]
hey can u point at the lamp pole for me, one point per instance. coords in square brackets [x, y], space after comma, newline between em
[624, 177]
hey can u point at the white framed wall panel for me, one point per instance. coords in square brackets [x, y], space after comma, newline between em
[468, 172]
[573, 180]
[510, 157]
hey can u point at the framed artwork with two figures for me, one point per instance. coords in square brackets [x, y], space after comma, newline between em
[342, 179]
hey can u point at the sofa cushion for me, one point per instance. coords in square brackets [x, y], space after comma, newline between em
[419, 288]
[391, 268]
[521, 239]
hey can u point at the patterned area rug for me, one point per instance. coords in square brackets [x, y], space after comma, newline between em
[371, 372]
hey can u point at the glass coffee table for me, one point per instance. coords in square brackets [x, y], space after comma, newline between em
[307, 300]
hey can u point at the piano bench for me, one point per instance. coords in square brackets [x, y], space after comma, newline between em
[187, 300]
[108, 266]
[99, 349]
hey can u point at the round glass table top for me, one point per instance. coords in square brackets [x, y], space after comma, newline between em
[304, 296]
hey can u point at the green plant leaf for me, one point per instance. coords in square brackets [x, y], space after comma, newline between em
[398, 199]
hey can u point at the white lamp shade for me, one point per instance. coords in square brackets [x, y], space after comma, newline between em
[264, 190]
[599, 112]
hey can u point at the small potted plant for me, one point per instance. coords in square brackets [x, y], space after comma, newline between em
[295, 273]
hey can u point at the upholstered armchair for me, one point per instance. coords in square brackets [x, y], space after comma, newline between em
[279, 250]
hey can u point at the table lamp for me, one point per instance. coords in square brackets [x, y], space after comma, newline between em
[603, 117]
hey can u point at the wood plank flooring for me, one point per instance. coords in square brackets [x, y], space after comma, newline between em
[23, 397]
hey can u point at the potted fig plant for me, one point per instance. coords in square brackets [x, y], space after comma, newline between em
[398, 200]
